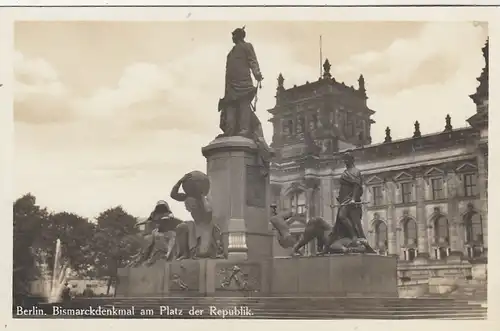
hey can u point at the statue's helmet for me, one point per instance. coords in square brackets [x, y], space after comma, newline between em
[239, 33]
[162, 207]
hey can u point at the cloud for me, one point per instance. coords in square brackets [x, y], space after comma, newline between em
[433, 56]
[183, 93]
[39, 95]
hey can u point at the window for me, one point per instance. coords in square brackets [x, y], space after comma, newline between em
[473, 228]
[406, 192]
[441, 253]
[381, 236]
[298, 203]
[470, 184]
[410, 254]
[288, 126]
[441, 230]
[377, 196]
[474, 251]
[349, 125]
[410, 232]
[437, 189]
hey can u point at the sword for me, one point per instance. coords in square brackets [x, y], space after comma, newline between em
[259, 86]
[353, 203]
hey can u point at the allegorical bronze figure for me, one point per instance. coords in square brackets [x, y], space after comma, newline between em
[158, 239]
[346, 235]
[201, 237]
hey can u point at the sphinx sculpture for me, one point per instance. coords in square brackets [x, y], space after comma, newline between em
[346, 235]
[168, 238]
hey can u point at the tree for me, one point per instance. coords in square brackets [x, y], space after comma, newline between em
[113, 242]
[76, 234]
[28, 220]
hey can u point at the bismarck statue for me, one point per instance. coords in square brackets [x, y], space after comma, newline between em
[346, 235]
[238, 116]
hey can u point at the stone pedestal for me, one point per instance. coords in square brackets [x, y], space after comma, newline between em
[239, 192]
[353, 275]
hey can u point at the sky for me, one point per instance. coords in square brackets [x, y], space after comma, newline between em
[114, 113]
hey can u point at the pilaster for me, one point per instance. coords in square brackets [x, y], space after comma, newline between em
[423, 231]
[391, 219]
[456, 242]
[482, 167]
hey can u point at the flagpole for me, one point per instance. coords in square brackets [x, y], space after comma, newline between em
[320, 56]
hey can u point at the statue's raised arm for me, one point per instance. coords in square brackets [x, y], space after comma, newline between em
[175, 194]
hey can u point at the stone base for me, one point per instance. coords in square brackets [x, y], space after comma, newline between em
[337, 275]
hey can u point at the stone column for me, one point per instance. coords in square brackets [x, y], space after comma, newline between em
[309, 203]
[453, 216]
[391, 219]
[311, 184]
[240, 197]
[327, 198]
[482, 167]
[423, 236]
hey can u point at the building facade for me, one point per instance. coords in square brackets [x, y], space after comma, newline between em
[424, 196]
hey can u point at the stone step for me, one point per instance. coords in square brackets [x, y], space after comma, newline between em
[436, 305]
[263, 311]
[309, 308]
[304, 307]
[286, 314]
[431, 299]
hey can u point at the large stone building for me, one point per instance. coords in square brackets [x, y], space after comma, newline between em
[425, 196]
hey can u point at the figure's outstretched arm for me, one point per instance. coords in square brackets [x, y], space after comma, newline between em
[148, 220]
[175, 194]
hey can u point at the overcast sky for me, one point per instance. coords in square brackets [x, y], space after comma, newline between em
[114, 113]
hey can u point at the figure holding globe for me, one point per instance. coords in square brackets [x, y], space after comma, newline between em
[199, 238]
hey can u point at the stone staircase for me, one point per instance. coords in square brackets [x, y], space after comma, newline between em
[471, 290]
[303, 308]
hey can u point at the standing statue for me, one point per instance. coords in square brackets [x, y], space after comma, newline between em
[347, 235]
[238, 116]
[236, 106]
[158, 241]
[199, 238]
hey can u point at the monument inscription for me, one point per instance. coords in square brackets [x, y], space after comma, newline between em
[255, 187]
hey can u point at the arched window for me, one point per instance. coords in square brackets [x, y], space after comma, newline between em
[298, 203]
[441, 230]
[473, 228]
[410, 232]
[381, 236]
